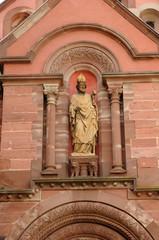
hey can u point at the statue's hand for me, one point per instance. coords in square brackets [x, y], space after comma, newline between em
[94, 92]
[78, 109]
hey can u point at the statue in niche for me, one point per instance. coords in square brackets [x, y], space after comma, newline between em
[83, 114]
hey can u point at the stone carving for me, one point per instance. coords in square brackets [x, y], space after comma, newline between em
[86, 231]
[84, 166]
[75, 169]
[57, 221]
[88, 54]
[51, 91]
[83, 114]
[93, 168]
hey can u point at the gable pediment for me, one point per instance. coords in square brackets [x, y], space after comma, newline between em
[68, 21]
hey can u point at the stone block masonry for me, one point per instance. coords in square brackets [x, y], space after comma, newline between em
[144, 110]
[21, 110]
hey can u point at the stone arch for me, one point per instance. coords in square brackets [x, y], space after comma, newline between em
[14, 17]
[77, 215]
[151, 15]
[149, 12]
[145, 6]
[115, 35]
[82, 52]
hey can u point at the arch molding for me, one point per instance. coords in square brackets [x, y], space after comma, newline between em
[85, 219]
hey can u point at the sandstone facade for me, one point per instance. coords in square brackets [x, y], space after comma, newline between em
[44, 46]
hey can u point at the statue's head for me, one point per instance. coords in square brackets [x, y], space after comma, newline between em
[81, 84]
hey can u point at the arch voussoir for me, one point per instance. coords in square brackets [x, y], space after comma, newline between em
[55, 223]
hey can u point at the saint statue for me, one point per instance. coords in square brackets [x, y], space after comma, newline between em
[83, 113]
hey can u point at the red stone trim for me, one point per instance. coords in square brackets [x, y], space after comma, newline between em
[130, 77]
[32, 79]
[14, 195]
[65, 184]
[94, 27]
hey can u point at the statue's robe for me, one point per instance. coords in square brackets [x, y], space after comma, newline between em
[84, 123]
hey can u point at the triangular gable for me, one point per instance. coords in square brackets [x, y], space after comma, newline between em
[60, 17]
[47, 7]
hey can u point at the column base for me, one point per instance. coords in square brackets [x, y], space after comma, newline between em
[50, 171]
[117, 170]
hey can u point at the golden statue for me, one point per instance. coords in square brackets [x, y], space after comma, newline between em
[83, 113]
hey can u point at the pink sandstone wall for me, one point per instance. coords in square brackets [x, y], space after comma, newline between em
[151, 208]
[23, 106]
[52, 21]
[104, 15]
[21, 133]
[126, 65]
[144, 110]
[10, 213]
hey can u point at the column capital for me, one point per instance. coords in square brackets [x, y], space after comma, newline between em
[115, 94]
[51, 92]
[115, 91]
[114, 88]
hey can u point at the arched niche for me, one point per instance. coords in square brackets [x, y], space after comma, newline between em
[151, 16]
[149, 12]
[14, 17]
[96, 59]
[78, 215]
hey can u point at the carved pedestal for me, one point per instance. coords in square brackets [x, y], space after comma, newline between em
[84, 166]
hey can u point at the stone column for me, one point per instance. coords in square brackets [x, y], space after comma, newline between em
[51, 92]
[117, 166]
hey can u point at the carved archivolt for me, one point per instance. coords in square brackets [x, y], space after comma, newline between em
[85, 231]
[85, 220]
[83, 54]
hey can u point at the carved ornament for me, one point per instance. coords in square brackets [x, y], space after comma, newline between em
[84, 166]
[115, 94]
[77, 214]
[51, 92]
[82, 54]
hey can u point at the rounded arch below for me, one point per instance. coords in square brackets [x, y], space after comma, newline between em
[83, 215]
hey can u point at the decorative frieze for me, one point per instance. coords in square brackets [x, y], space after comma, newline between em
[79, 183]
[149, 193]
[83, 53]
[13, 195]
[84, 183]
